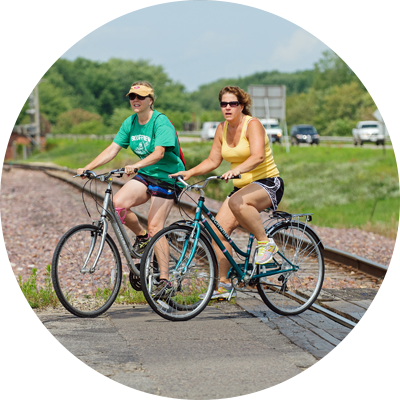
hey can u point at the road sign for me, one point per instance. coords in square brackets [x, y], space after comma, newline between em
[383, 114]
[268, 101]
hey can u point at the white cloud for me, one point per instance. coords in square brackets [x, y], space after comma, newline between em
[293, 50]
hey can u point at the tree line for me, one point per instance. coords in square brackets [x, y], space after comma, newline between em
[84, 96]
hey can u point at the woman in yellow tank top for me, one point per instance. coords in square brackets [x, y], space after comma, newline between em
[242, 141]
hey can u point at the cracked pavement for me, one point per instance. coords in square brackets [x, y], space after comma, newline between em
[132, 353]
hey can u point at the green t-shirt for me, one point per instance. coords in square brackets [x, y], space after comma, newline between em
[142, 140]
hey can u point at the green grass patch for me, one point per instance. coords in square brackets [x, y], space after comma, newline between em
[343, 186]
[39, 297]
[127, 295]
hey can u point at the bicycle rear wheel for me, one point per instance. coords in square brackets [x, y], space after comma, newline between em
[188, 281]
[293, 292]
[85, 293]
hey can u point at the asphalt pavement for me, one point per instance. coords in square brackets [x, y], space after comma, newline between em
[224, 352]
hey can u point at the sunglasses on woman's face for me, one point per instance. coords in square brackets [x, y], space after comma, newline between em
[232, 104]
[133, 96]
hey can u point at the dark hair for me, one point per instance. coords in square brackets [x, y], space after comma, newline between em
[243, 98]
[148, 84]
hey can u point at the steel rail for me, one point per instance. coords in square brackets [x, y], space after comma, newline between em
[351, 260]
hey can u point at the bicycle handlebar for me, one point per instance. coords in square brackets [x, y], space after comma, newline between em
[92, 175]
[199, 187]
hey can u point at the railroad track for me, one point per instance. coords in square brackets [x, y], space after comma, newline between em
[351, 260]
[324, 307]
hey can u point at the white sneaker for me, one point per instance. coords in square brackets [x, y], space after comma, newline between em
[221, 293]
[265, 251]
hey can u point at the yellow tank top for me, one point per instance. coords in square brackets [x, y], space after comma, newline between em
[240, 153]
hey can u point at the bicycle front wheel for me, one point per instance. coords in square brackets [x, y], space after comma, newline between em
[291, 293]
[170, 249]
[86, 292]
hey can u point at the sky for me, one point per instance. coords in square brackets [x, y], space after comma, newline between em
[198, 42]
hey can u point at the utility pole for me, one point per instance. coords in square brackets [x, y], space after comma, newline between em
[33, 96]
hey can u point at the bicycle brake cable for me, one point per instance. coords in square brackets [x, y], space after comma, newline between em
[83, 197]
[182, 193]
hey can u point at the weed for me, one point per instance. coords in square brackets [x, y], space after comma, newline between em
[127, 295]
[38, 297]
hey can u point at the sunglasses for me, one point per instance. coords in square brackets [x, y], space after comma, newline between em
[133, 96]
[232, 104]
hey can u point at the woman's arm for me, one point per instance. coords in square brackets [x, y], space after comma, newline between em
[213, 160]
[151, 159]
[256, 137]
[103, 158]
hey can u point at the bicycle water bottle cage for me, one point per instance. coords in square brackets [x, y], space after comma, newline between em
[119, 211]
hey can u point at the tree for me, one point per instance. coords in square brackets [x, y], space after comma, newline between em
[345, 64]
[301, 108]
[68, 120]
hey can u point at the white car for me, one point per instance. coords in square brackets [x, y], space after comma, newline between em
[274, 131]
[368, 131]
[208, 130]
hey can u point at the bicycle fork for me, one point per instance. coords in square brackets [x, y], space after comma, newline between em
[102, 223]
[92, 246]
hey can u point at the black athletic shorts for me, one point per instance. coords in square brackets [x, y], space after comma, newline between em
[273, 186]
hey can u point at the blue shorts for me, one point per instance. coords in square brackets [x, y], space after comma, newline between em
[159, 188]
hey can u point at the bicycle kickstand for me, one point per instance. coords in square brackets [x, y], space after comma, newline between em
[231, 293]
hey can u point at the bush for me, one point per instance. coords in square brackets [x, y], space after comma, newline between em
[340, 127]
[68, 120]
[93, 127]
[117, 118]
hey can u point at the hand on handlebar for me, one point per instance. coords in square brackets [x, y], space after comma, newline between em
[131, 170]
[232, 174]
[184, 174]
[80, 172]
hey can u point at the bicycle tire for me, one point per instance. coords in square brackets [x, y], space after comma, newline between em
[294, 292]
[86, 295]
[183, 303]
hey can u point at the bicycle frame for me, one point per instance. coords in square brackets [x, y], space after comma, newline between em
[108, 213]
[274, 267]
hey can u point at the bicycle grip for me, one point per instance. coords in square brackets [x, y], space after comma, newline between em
[122, 170]
[233, 177]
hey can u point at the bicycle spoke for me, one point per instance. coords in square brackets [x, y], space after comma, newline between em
[188, 280]
[88, 293]
[290, 293]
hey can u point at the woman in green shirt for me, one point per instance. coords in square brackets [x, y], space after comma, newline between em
[152, 137]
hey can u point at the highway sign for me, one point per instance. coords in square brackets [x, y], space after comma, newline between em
[383, 114]
[268, 101]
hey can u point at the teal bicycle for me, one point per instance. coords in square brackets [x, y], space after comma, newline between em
[289, 284]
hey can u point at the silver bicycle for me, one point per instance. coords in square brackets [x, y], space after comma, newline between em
[86, 268]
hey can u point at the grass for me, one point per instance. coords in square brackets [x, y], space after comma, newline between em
[42, 297]
[39, 297]
[127, 295]
[344, 187]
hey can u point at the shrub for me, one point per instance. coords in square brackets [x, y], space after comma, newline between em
[67, 120]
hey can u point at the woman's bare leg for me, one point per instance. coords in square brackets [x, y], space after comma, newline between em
[228, 222]
[246, 205]
[132, 194]
[158, 214]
